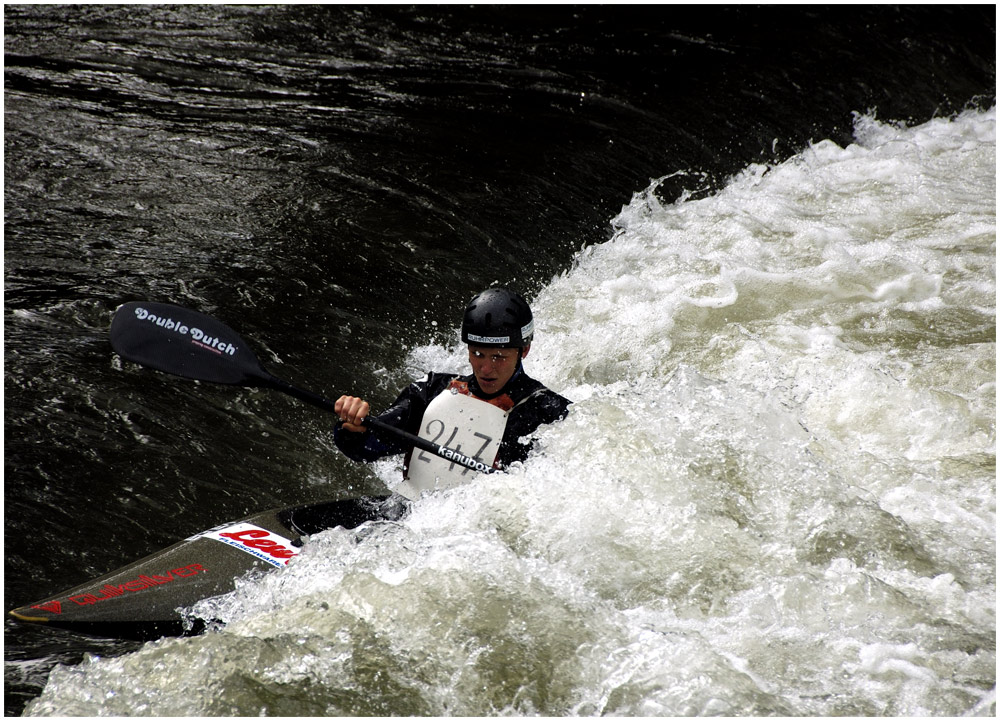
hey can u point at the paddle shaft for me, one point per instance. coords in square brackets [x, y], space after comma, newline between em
[190, 344]
[414, 440]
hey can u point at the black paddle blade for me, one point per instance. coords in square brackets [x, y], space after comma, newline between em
[185, 343]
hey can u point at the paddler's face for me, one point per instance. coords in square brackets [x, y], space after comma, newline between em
[493, 367]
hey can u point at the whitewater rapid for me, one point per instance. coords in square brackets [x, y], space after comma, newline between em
[775, 493]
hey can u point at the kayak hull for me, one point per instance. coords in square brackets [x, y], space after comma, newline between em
[145, 599]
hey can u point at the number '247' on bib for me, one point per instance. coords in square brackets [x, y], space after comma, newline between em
[460, 422]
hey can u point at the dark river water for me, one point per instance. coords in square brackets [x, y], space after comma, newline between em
[335, 182]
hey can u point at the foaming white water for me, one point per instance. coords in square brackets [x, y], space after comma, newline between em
[775, 493]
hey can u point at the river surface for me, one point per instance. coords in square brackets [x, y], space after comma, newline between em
[760, 245]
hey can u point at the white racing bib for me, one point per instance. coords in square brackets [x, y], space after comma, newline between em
[462, 423]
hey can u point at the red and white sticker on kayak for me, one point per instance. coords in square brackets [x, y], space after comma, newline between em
[266, 545]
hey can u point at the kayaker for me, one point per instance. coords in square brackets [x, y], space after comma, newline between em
[487, 414]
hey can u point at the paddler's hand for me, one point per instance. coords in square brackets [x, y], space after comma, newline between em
[351, 411]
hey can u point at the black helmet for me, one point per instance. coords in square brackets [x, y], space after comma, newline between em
[498, 317]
